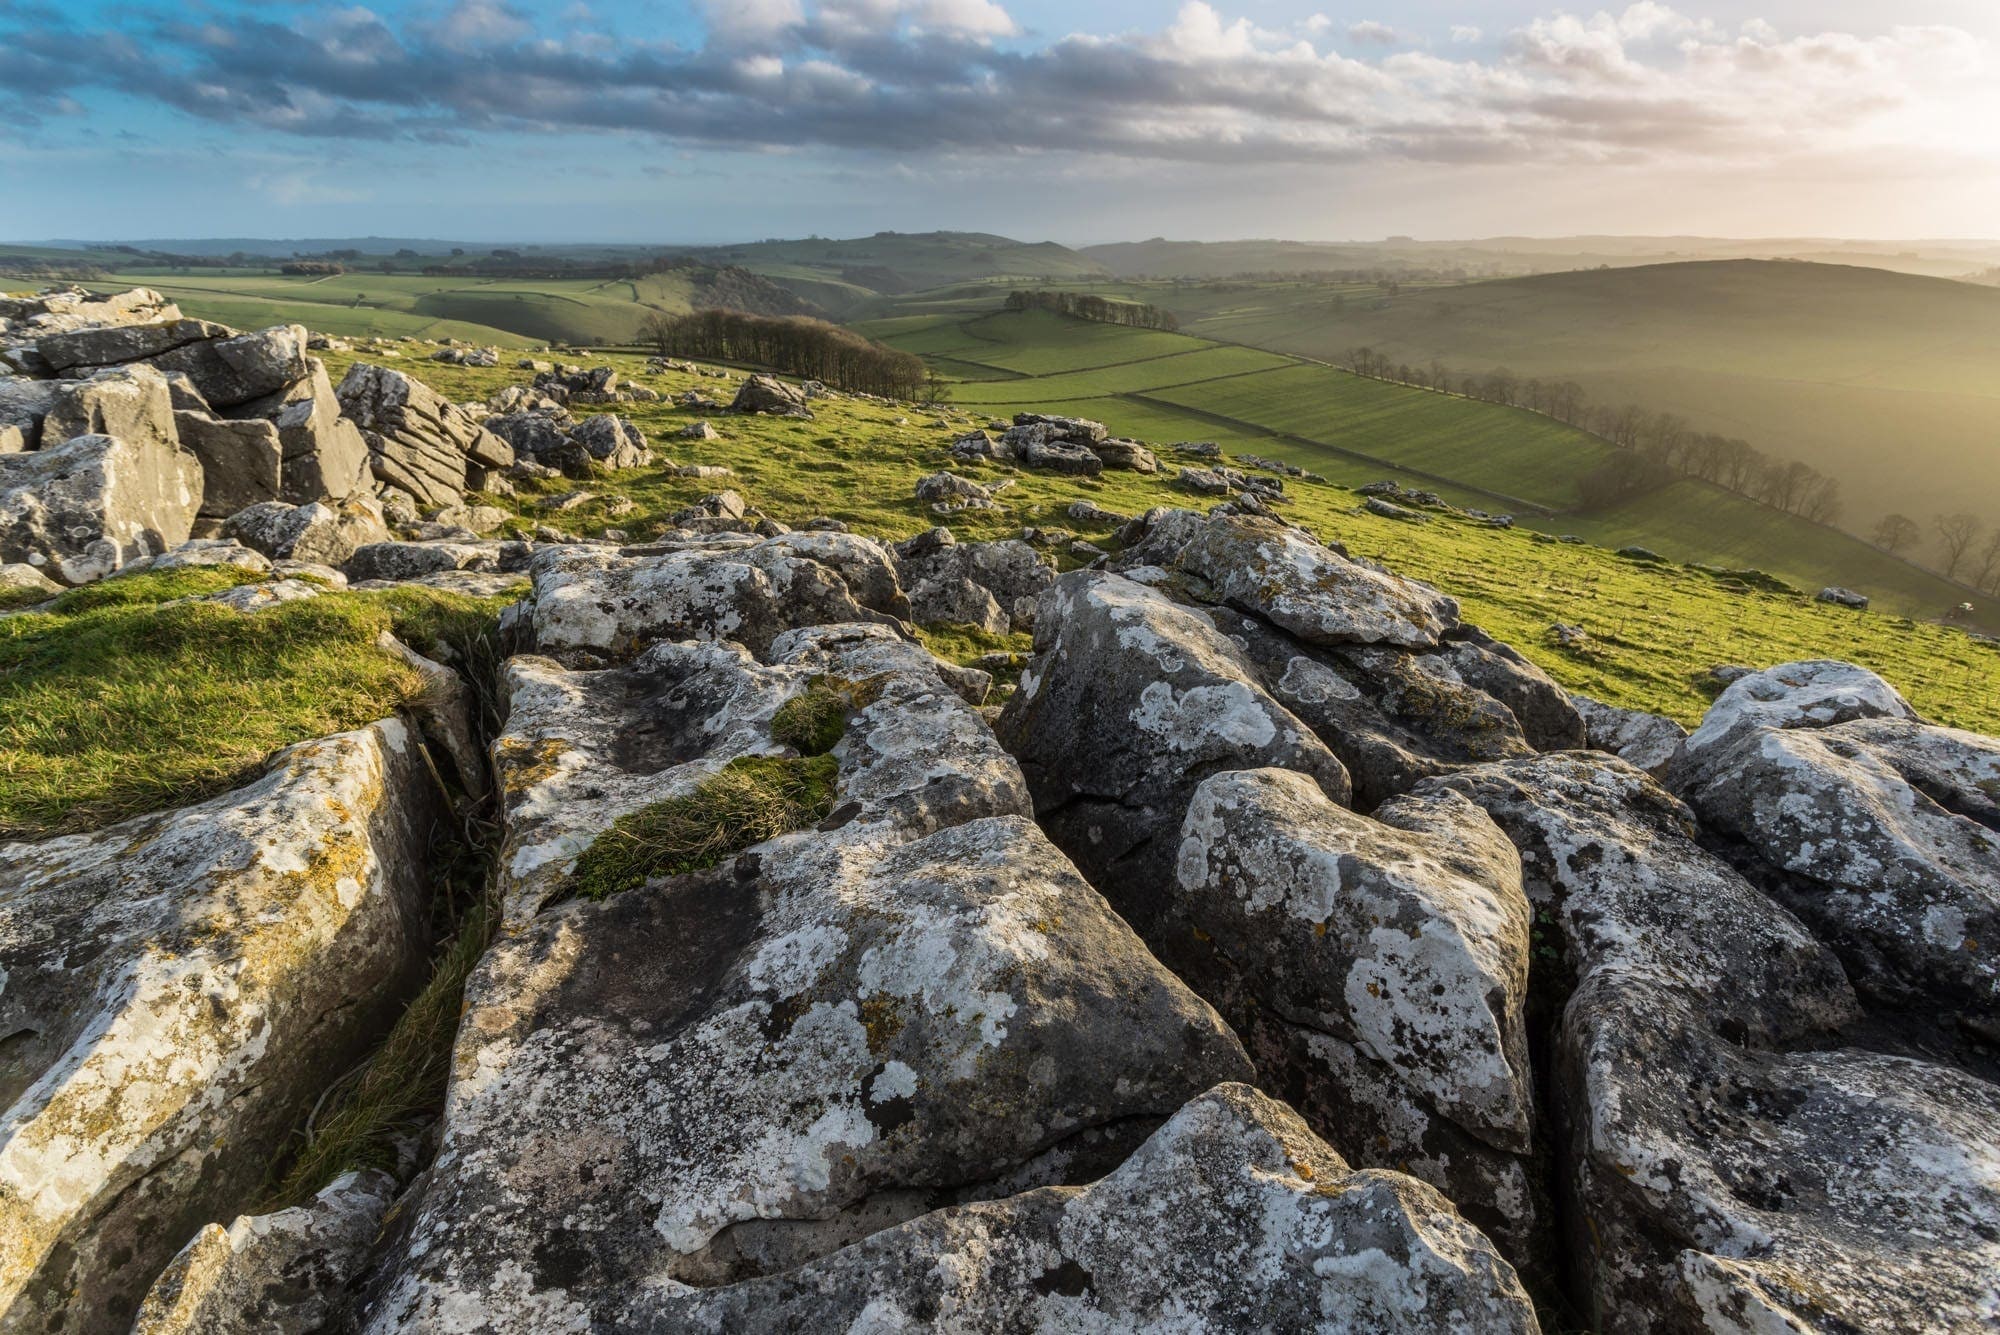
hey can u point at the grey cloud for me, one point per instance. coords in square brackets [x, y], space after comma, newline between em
[822, 79]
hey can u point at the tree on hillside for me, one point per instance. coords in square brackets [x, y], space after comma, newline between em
[1957, 532]
[1988, 578]
[658, 330]
[1895, 534]
[937, 389]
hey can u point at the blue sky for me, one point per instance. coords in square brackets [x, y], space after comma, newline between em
[630, 120]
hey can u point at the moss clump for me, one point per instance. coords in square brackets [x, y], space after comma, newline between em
[117, 702]
[813, 721]
[752, 799]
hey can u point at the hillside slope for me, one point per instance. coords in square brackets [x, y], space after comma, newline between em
[1890, 382]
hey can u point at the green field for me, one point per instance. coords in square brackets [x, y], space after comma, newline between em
[1163, 387]
[1655, 629]
[1889, 382]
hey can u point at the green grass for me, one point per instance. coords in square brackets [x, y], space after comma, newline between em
[752, 799]
[813, 721]
[1655, 629]
[117, 701]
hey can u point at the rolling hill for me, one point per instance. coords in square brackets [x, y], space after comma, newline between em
[1163, 387]
[1890, 382]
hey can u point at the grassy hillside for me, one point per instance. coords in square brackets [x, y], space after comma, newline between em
[1889, 382]
[846, 274]
[1654, 630]
[1166, 387]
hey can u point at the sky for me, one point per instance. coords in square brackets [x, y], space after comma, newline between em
[714, 120]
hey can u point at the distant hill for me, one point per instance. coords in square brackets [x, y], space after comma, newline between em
[1888, 381]
[845, 275]
[1513, 256]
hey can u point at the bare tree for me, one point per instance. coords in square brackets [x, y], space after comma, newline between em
[1957, 532]
[1895, 533]
[1988, 578]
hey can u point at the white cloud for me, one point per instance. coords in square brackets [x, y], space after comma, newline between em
[1370, 33]
[1465, 32]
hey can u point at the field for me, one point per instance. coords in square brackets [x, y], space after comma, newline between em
[1887, 381]
[1655, 629]
[1163, 387]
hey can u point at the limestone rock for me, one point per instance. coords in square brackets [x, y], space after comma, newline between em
[325, 455]
[414, 560]
[232, 371]
[417, 441]
[109, 345]
[179, 986]
[320, 533]
[82, 508]
[1880, 831]
[1129, 454]
[992, 585]
[242, 463]
[284, 1273]
[1648, 741]
[767, 394]
[1233, 1216]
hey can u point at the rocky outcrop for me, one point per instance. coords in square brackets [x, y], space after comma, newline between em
[322, 534]
[770, 395]
[1233, 1210]
[178, 988]
[1727, 1164]
[418, 443]
[82, 508]
[1878, 829]
[990, 585]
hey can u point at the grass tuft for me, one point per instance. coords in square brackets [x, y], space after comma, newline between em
[814, 721]
[752, 799]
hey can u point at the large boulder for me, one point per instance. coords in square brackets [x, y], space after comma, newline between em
[322, 534]
[1130, 702]
[25, 320]
[992, 585]
[109, 345]
[179, 988]
[1403, 939]
[417, 441]
[242, 463]
[232, 371]
[768, 394]
[595, 605]
[611, 442]
[1879, 830]
[1728, 1163]
[1233, 1216]
[1649, 741]
[84, 507]
[325, 456]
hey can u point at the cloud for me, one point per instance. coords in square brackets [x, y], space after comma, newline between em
[1465, 32]
[946, 79]
[1370, 33]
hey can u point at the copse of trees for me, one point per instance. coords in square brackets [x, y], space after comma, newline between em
[1089, 306]
[1666, 444]
[794, 344]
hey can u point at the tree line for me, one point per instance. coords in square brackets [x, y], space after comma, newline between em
[793, 344]
[1089, 306]
[1968, 551]
[1658, 446]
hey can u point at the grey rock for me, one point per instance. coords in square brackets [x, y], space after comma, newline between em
[325, 455]
[767, 394]
[319, 533]
[1648, 741]
[179, 987]
[232, 371]
[284, 1273]
[1127, 454]
[418, 442]
[1842, 597]
[112, 344]
[949, 486]
[242, 463]
[1233, 1211]
[1061, 457]
[82, 508]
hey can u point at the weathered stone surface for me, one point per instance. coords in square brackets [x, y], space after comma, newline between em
[417, 441]
[19, 575]
[1233, 1216]
[198, 552]
[611, 441]
[1132, 700]
[1879, 830]
[1727, 1166]
[65, 309]
[860, 1022]
[231, 371]
[242, 463]
[284, 1273]
[1406, 934]
[82, 508]
[414, 560]
[111, 344]
[949, 486]
[325, 455]
[767, 394]
[1647, 741]
[992, 585]
[592, 605]
[1309, 590]
[131, 402]
[320, 533]
[1061, 457]
[1378, 969]
[1126, 454]
[179, 986]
